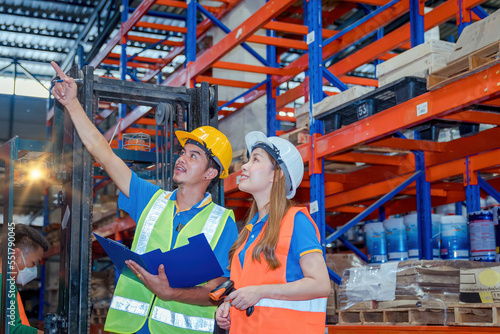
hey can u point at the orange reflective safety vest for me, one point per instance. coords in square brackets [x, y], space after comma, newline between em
[273, 316]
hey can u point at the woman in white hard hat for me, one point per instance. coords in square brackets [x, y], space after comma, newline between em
[276, 263]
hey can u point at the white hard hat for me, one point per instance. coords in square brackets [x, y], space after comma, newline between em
[286, 155]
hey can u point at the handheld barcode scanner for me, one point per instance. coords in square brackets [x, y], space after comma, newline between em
[223, 290]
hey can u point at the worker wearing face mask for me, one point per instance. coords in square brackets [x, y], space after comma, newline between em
[25, 254]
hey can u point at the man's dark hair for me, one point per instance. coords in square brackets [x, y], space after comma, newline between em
[28, 239]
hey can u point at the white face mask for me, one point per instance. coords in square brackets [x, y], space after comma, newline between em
[27, 274]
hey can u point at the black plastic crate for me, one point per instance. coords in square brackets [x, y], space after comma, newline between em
[430, 130]
[373, 102]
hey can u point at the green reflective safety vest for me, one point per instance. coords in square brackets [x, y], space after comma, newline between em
[133, 303]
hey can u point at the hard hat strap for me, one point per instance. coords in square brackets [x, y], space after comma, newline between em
[274, 152]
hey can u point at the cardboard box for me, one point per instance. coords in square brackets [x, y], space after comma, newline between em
[480, 285]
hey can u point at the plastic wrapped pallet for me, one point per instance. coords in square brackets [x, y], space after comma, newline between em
[417, 62]
[422, 283]
[340, 262]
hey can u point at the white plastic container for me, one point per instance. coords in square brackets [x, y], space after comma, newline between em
[482, 236]
[454, 238]
[436, 236]
[395, 235]
[375, 242]
[411, 224]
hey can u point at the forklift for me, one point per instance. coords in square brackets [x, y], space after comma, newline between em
[72, 167]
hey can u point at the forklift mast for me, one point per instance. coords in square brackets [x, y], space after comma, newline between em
[73, 168]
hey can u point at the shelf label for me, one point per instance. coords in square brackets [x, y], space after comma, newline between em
[310, 38]
[313, 207]
[422, 109]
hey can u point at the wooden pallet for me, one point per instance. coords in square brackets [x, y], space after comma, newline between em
[477, 315]
[481, 315]
[332, 318]
[410, 317]
[475, 62]
[100, 311]
[97, 319]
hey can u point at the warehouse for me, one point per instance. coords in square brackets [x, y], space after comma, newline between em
[148, 146]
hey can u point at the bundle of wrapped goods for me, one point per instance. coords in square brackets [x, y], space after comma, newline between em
[415, 62]
[425, 292]
[403, 284]
[338, 263]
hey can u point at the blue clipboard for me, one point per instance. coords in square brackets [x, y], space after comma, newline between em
[185, 266]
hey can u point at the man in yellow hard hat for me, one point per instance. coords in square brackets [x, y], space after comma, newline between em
[165, 220]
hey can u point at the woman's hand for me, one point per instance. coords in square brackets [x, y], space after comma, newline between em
[64, 92]
[247, 296]
[222, 316]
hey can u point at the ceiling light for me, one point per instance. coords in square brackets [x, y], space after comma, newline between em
[35, 174]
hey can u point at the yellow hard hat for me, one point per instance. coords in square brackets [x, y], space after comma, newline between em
[215, 144]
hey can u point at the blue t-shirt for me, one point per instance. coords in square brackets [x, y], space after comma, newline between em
[304, 240]
[141, 192]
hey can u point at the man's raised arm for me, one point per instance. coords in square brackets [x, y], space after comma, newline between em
[94, 141]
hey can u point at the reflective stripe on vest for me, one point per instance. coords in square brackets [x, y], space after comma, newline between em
[130, 306]
[312, 305]
[149, 222]
[213, 222]
[182, 321]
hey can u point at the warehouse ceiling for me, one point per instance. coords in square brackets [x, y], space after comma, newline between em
[33, 33]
